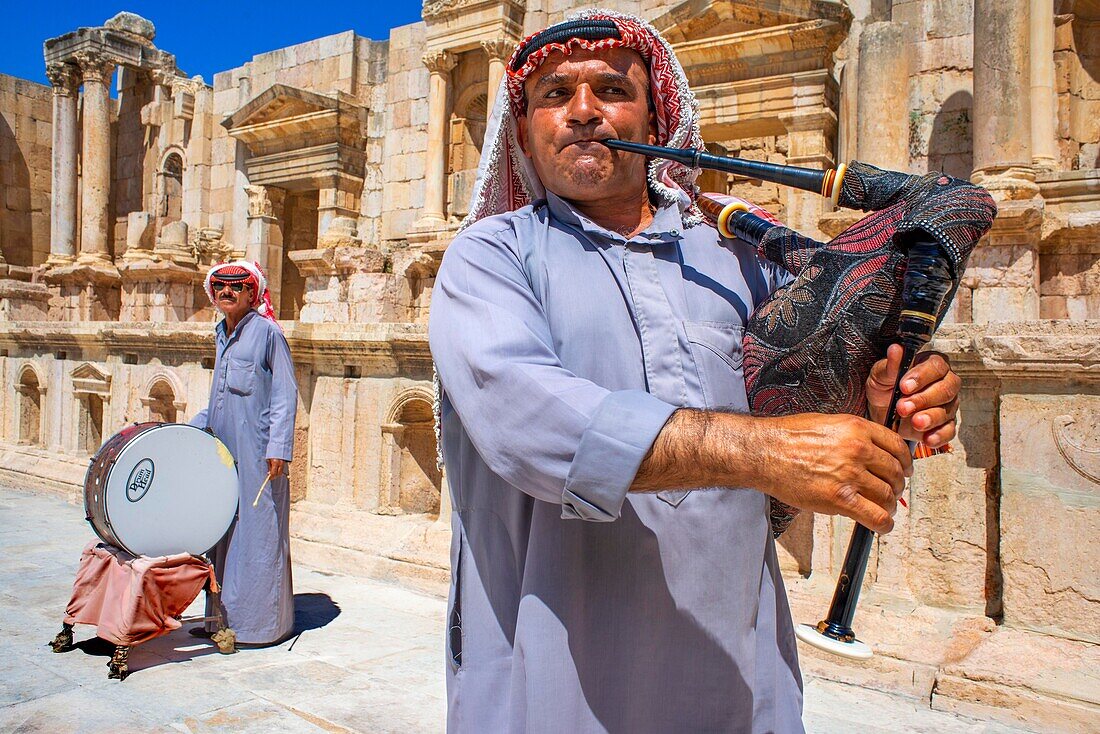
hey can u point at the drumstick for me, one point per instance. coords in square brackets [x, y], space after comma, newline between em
[257, 500]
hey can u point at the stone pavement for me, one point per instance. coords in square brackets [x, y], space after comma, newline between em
[367, 658]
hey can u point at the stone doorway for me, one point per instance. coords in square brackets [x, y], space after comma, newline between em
[411, 480]
[299, 233]
[89, 423]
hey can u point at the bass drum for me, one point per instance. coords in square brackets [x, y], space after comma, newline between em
[158, 489]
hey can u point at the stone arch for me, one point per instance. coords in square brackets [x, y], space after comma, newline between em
[163, 398]
[31, 390]
[170, 185]
[410, 481]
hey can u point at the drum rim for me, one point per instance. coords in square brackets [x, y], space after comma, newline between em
[114, 539]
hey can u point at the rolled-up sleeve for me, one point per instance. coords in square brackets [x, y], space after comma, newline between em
[556, 436]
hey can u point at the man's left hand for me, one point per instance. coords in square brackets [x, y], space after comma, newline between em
[275, 468]
[930, 396]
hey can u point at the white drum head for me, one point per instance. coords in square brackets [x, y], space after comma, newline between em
[173, 489]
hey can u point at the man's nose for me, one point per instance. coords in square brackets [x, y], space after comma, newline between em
[584, 107]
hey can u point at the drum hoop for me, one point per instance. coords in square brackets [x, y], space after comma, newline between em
[114, 539]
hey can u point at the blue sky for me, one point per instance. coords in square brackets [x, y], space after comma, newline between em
[206, 36]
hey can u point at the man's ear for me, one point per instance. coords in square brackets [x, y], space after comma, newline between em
[521, 134]
[652, 127]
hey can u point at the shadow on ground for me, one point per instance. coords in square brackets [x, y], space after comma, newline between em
[313, 611]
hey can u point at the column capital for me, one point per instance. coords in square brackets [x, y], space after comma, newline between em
[94, 67]
[64, 78]
[499, 49]
[439, 62]
[264, 201]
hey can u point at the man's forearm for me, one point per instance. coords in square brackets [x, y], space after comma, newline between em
[698, 448]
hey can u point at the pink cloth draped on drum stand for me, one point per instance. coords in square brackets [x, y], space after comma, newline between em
[134, 599]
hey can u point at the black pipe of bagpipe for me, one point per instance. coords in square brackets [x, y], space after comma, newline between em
[929, 277]
[825, 182]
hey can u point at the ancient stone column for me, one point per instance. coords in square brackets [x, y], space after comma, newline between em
[439, 64]
[65, 79]
[1044, 152]
[96, 160]
[882, 116]
[265, 235]
[1002, 107]
[498, 50]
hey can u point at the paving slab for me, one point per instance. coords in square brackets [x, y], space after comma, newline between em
[366, 657]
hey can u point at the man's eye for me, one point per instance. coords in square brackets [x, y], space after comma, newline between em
[555, 93]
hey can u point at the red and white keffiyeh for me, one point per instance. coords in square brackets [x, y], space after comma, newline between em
[506, 179]
[248, 272]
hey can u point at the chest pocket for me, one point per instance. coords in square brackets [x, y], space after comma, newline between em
[716, 349]
[240, 377]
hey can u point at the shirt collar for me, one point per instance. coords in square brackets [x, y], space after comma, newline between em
[667, 224]
[219, 330]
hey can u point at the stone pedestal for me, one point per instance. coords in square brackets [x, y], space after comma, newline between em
[22, 301]
[342, 277]
[139, 236]
[172, 245]
[159, 291]
[87, 292]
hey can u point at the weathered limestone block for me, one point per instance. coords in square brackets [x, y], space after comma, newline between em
[132, 23]
[1050, 513]
[21, 301]
[950, 511]
[139, 235]
[1021, 678]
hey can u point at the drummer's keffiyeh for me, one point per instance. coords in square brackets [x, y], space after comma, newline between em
[247, 272]
[506, 180]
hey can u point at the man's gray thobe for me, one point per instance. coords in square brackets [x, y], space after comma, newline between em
[563, 349]
[252, 404]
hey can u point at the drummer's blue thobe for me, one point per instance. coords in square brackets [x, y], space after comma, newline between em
[577, 606]
[252, 404]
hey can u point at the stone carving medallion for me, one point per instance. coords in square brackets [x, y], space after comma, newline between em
[1082, 459]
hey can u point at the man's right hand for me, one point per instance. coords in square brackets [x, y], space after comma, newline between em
[833, 464]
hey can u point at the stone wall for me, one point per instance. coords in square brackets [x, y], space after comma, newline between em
[406, 139]
[25, 144]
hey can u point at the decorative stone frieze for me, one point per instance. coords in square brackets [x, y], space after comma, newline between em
[439, 9]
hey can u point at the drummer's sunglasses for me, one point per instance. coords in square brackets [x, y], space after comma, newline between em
[217, 285]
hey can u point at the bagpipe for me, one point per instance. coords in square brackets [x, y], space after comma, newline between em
[810, 346]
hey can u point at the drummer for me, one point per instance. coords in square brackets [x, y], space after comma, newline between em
[252, 405]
